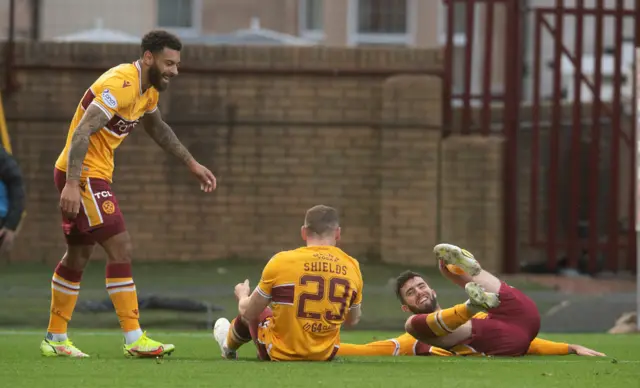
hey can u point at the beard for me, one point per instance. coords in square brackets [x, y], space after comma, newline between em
[155, 78]
[427, 308]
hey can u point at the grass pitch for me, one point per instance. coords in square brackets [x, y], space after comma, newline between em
[197, 363]
[25, 293]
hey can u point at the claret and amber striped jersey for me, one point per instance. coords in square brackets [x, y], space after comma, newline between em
[118, 93]
[311, 291]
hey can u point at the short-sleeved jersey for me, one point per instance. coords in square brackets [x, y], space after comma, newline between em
[311, 290]
[118, 93]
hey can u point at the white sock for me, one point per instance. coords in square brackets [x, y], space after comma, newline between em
[132, 336]
[57, 337]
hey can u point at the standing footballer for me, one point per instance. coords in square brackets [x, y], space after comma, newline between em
[106, 114]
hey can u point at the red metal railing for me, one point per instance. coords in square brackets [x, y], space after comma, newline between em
[552, 241]
[572, 244]
[509, 98]
[595, 142]
[467, 96]
[633, 189]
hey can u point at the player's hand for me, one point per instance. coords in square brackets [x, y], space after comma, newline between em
[242, 290]
[206, 177]
[70, 200]
[582, 351]
[6, 240]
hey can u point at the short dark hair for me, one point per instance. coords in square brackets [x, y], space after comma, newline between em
[403, 279]
[321, 220]
[156, 40]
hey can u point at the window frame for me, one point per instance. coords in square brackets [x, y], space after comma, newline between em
[303, 30]
[196, 21]
[355, 38]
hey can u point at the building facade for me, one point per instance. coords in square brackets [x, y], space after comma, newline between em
[338, 23]
[330, 22]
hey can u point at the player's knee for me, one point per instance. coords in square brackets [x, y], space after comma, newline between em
[418, 327]
[409, 326]
[119, 248]
[124, 254]
[77, 257]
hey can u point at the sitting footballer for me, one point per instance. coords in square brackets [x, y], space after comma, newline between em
[313, 291]
[497, 320]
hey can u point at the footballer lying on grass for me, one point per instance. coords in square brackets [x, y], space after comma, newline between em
[497, 320]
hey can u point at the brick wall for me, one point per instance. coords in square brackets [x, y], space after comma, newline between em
[366, 142]
[472, 207]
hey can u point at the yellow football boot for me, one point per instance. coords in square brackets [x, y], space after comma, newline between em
[60, 349]
[145, 347]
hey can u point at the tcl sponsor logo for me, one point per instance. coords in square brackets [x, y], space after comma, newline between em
[103, 194]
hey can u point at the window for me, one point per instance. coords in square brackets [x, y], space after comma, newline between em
[459, 22]
[181, 16]
[311, 19]
[381, 22]
[382, 16]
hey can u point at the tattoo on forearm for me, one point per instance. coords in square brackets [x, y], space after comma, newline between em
[92, 121]
[162, 133]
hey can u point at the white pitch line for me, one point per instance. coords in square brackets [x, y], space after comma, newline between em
[106, 333]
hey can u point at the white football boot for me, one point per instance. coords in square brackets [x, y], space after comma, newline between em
[220, 331]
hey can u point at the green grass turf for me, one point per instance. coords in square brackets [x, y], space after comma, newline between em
[197, 363]
[25, 293]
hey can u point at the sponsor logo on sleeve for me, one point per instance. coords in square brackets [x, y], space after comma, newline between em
[109, 99]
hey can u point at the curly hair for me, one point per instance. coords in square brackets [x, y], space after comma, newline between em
[155, 41]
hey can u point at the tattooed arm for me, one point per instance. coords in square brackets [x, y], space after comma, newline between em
[92, 121]
[164, 136]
